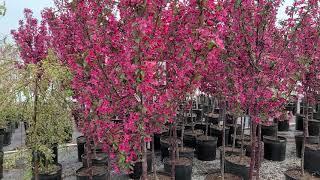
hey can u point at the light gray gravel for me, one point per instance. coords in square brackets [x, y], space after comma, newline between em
[68, 158]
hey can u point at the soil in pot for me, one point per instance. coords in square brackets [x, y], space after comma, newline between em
[160, 176]
[97, 159]
[238, 139]
[183, 168]
[81, 141]
[54, 174]
[227, 176]
[295, 174]
[217, 131]
[97, 173]
[190, 138]
[238, 165]
[314, 127]
[212, 118]
[269, 130]
[299, 122]
[165, 144]
[312, 158]
[275, 148]
[229, 151]
[201, 126]
[186, 152]
[206, 148]
[299, 140]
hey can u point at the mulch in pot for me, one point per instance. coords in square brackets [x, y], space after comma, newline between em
[190, 137]
[227, 176]
[183, 168]
[160, 176]
[97, 173]
[312, 158]
[217, 131]
[295, 174]
[238, 165]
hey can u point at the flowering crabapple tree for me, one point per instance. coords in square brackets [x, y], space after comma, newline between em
[135, 60]
[253, 71]
[303, 42]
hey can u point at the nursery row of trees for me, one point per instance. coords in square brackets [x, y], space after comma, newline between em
[138, 61]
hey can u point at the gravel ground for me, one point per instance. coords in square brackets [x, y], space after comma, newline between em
[68, 158]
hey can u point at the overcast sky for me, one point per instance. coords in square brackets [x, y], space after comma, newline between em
[15, 12]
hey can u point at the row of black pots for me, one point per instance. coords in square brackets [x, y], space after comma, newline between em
[205, 148]
[313, 125]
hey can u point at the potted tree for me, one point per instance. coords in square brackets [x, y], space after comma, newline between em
[44, 86]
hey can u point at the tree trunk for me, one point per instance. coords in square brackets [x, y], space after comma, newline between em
[153, 159]
[305, 132]
[144, 161]
[253, 149]
[242, 136]
[235, 128]
[223, 117]
[35, 111]
[173, 154]
[259, 152]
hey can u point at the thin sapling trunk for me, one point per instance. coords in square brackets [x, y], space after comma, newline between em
[253, 148]
[223, 114]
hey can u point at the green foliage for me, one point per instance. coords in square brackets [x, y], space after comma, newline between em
[10, 84]
[53, 114]
[17, 101]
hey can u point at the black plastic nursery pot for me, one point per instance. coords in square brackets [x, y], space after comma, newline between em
[2, 131]
[312, 159]
[295, 174]
[299, 122]
[7, 136]
[55, 174]
[160, 176]
[227, 176]
[165, 144]
[183, 168]
[212, 118]
[314, 127]
[81, 141]
[269, 130]
[232, 128]
[157, 137]
[97, 159]
[316, 115]
[228, 151]
[55, 153]
[283, 125]
[16, 124]
[137, 170]
[206, 148]
[217, 131]
[1, 164]
[190, 138]
[96, 172]
[275, 148]
[185, 152]
[201, 126]
[238, 166]
[309, 140]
